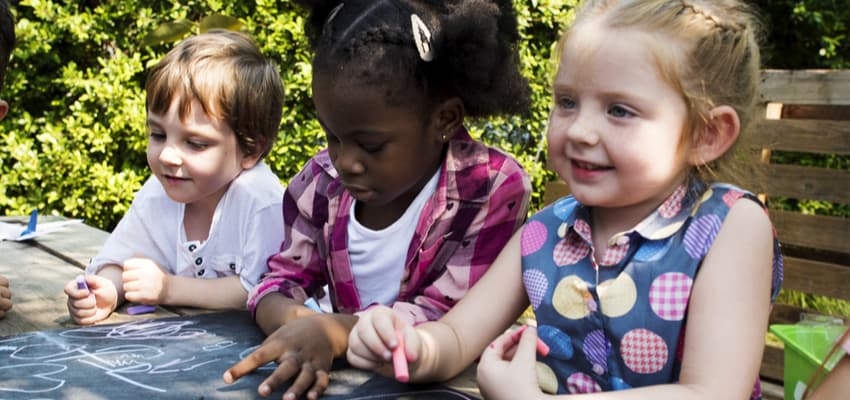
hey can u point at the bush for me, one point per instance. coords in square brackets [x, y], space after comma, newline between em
[74, 141]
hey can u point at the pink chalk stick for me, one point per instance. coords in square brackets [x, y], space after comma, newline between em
[140, 309]
[400, 359]
[542, 347]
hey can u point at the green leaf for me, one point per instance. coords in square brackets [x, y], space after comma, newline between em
[221, 22]
[168, 32]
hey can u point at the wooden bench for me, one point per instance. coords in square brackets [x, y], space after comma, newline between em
[805, 112]
[801, 111]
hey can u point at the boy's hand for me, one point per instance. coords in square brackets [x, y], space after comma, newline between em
[144, 281]
[507, 367]
[303, 350]
[88, 306]
[5, 296]
[373, 339]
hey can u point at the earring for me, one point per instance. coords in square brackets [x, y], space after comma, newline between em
[444, 137]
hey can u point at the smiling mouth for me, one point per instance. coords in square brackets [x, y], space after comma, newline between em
[589, 166]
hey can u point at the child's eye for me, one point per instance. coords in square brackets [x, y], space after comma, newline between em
[197, 145]
[156, 136]
[620, 112]
[372, 148]
[565, 102]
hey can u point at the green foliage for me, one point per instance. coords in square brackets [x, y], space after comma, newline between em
[74, 142]
[806, 33]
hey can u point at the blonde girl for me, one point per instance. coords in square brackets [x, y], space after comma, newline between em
[650, 280]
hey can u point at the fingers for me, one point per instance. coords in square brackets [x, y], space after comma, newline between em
[373, 338]
[4, 282]
[526, 349]
[262, 356]
[308, 378]
[287, 368]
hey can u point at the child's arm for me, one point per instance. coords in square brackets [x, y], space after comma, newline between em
[836, 384]
[440, 350]
[5, 296]
[303, 342]
[104, 293]
[145, 282]
[487, 234]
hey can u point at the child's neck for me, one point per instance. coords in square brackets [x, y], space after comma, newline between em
[197, 221]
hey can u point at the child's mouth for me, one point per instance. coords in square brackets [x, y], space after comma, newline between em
[588, 166]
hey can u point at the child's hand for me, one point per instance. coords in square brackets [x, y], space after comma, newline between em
[302, 348]
[144, 281]
[373, 339]
[5, 296]
[507, 367]
[88, 306]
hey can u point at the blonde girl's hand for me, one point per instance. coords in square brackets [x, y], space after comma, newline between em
[373, 339]
[507, 369]
[5, 296]
[144, 281]
[88, 306]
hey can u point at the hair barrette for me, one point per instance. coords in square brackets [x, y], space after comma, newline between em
[422, 37]
[333, 13]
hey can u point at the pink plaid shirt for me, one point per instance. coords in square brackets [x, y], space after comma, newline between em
[481, 199]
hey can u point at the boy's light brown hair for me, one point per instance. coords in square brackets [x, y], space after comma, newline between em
[7, 37]
[231, 79]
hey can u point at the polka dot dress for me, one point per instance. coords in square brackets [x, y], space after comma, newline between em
[619, 324]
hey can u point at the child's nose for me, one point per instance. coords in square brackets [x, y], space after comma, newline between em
[170, 156]
[581, 129]
[348, 163]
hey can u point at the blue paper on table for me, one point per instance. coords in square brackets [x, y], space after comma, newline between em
[33, 229]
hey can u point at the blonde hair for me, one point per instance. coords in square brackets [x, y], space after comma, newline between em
[714, 60]
[231, 79]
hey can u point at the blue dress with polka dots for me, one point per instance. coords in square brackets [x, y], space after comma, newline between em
[620, 323]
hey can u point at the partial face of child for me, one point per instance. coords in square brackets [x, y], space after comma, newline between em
[615, 128]
[195, 160]
[384, 154]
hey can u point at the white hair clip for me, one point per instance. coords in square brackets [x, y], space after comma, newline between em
[422, 37]
[333, 13]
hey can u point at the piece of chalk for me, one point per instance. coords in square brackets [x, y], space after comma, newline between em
[400, 360]
[542, 347]
[81, 283]
[312, 304]
[140, 309]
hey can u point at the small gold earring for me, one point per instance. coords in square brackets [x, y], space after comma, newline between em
[444, 137]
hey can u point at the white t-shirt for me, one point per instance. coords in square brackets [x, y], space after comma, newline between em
[377, 257]
[246, 229]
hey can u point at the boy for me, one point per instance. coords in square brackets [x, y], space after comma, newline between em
[7, 43]
[200, 230]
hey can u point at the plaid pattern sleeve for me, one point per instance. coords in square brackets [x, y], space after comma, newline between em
[299, 267]
[487, 194]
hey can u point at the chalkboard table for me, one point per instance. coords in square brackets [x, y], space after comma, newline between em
[178, 353]
[180, 357]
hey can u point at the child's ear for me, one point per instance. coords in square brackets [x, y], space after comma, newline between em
[250, 160]
[4, 108]
[719, 134]
[448, 118]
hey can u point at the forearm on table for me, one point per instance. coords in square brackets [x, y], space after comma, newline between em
[275, 310]
[215, 294]
[113, 273]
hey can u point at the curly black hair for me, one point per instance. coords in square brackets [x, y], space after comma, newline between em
[473, 43]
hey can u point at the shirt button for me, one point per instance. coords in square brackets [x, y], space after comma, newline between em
[233, 266]
[199, 261]
[201, 272]
[192, 247]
